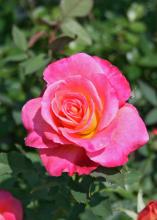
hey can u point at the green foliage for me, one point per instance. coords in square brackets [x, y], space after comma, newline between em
[76, 8]
[149, 93]
[42, 31]
[19, 38]
[151, 117]
[34, 64]
[4, 166]
[73, 28]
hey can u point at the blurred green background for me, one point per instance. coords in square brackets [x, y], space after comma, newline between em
[34, 33]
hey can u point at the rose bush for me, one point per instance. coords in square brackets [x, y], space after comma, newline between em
[149, 212]
[10, 207]
[82, 120]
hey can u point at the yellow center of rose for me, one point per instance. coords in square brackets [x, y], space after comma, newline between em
[88, 132]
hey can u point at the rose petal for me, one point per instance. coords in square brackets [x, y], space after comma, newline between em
[57, 107]
[8, 216]
[38, 129]
[92, 142]
[78, 64]
[108, 98]
[47, 98]
[125, 134]
[29, 111]
[86, 87]
[70, 159]
[116, 78]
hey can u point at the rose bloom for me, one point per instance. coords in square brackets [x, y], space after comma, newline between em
[82, 120]
[10, 207]
[149, 212]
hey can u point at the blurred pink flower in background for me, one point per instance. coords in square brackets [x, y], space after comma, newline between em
[154, 131]
[10, 207]
[82, 120]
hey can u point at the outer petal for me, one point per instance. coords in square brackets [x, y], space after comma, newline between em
[29, 111]
[10, 206]
[9, 216]
[78, 64]
[117, 80]
[70, 159]
[2, 217]
[125, 134]
[38, 130]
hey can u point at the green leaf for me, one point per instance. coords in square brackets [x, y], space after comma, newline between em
[88, 214]
[130, 213]
[79, 196]
[72, 28]
[35, 63]
[17, 57]
[148, 92]
[19, 163]
[102, 209]
[104, 172]
[17, 117]
[138, 27]
[151, 117]
[140, 202]
[119, 190]
[4, 165]
[5, 100]
[76, 8]
[114, 176]
[117, 179]
[19, 38]
[132, 177]
[148, 61]
[133, 72]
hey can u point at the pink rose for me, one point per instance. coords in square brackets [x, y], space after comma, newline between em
[82, 120]
[10, 207]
